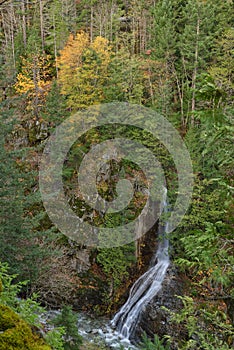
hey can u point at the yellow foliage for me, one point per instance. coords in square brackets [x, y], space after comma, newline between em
[83, 70]
[70, 59]
[24, 84]
[101, 46]
[34, 78]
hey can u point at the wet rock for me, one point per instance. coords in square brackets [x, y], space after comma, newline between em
[95, 331]
[155, 319]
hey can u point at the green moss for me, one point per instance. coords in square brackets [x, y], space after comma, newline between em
[8, 319]
[16, 334]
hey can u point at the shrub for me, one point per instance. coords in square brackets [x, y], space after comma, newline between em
[68, 321]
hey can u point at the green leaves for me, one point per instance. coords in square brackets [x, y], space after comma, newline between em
[54, 338]
[156, 344]
[207, 327]
[28, 309]
[68, 321]
[206, 257]
[115, 262]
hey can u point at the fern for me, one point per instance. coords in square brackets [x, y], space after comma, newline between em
[156, 344]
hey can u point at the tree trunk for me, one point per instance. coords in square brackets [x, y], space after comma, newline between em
[24, 24]
[180, 90]
[42, 26]
[35, 81]
[55, 47]
[91, 24]
[12, 19]
[194, 77]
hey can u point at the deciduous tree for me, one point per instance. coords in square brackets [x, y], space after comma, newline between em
[84, 70]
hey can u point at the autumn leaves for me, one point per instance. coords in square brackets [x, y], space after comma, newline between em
[83, 70]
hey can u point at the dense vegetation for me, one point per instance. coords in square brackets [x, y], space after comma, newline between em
[176, 57]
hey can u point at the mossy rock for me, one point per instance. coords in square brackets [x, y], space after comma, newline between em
[16, 334]
[8, 318]
[92, 346]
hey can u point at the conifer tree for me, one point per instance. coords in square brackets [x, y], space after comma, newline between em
[17, 245]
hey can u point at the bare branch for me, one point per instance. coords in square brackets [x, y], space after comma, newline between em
[2, 2]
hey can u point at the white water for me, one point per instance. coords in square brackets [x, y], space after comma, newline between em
[145, 288]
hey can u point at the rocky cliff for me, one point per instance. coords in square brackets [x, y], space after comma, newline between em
[155, 319]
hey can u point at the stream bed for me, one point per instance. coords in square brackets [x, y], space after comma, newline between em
[93, 330]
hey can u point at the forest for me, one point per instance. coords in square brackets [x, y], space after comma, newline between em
[58, 58]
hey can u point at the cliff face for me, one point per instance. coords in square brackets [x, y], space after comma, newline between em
[74, 276]
[155, 319]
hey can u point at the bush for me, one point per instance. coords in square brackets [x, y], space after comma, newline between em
[28, 309]
[16, 317]
[68, 321]
[55, 338]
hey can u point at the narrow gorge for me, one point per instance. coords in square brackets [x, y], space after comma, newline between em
[146, 287]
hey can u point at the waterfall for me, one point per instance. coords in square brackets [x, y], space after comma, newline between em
[146, 287]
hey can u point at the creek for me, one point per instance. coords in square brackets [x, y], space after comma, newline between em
[121, 329]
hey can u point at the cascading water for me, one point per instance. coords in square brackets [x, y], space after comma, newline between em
[141, 293]
[146, 287]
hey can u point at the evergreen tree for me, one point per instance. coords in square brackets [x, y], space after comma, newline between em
[184, 36]
[126, 78]
[17, 246]
[54, 110]
[68, 320]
